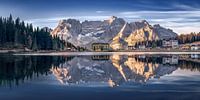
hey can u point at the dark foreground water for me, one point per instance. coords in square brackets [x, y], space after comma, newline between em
[100, 77]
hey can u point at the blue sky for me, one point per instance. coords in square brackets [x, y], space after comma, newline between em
[183, 16]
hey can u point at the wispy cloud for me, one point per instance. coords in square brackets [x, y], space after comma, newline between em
[52, 22]
[186, 7]
[180, 15]
[101, 11]
[179, 21]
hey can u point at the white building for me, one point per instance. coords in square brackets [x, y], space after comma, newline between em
[131, 47]
[142, 47]
[170, 44]
[195, 56]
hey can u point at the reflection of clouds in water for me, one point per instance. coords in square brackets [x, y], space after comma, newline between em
[184, 72]
[179, 77]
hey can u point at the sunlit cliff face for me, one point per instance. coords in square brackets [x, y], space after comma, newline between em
[116, 63]
[117, 32]
[118, 70]
[61, 74]
[111, 83]
[143, 69]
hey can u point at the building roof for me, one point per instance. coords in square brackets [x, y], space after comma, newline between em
[100, 43]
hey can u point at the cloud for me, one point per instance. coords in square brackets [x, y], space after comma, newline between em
[179, 5]
[52, 22]
[179, 21]
[100, 11]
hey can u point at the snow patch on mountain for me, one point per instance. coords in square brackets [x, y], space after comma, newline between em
[115, 31]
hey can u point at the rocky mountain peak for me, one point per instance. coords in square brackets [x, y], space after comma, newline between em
[115, 20]
[63, 21]
[68, 22]
[157, 26]
[144, 21]
[111, 19]
[115, 31]
[141, 24]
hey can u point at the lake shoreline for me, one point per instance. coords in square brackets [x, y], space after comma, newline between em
[52, 52]
[101, 53]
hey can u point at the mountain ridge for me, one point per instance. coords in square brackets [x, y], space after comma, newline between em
[115, 31]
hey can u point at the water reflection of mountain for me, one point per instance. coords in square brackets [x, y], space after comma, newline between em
[117, 70]
[92, 70]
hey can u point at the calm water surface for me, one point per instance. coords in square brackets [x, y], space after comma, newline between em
[119, 77]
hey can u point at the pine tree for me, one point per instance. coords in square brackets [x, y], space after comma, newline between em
[34, 45]
[55, 43]
[1, 30]
[17, 26]
[16, 38]
[15, 33]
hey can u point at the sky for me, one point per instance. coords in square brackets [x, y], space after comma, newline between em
[182, 16]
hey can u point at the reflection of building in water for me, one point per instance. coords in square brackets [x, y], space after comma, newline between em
[195, 56]
[100, 47]
[142, 56]
[170, 60]
[101, 57]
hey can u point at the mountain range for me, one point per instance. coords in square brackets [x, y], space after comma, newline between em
[115, 31]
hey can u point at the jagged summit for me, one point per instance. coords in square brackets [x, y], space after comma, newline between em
[115, 31]
[111, 19]
[157, 25]
[62, 21]
[144, 21]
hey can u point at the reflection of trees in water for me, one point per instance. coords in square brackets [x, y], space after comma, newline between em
[182, 64]
[149, 59]
[190, 65]
[17, 69]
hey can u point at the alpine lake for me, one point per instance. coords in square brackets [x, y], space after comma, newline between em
[100, 76]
